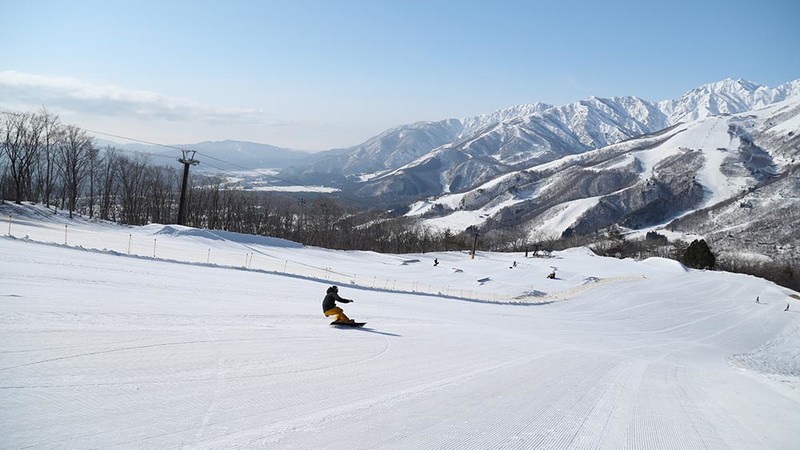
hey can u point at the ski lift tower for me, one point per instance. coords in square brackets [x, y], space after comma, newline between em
[187, 161]
[475, 232]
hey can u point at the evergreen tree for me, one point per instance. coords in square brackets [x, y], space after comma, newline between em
[699, 255]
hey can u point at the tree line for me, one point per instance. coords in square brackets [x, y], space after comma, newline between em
[45, 161]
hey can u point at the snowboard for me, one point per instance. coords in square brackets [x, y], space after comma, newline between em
[350, 324]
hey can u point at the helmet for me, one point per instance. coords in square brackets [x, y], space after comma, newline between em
[334, 289]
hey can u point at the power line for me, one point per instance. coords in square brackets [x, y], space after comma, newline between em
[134, 139]
[10, 113]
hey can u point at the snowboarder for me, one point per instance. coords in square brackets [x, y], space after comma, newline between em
[329, 305]
[552, 275]
[787, 307]
[435, 262]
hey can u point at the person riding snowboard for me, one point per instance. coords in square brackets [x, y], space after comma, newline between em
[329, 305]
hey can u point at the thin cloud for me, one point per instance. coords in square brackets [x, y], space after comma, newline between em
[110, 100]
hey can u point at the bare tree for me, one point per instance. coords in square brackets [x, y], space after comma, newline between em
[132, 176]
[93, 173]
[20, 146]
[3, 181]
[46, 162]
[107, 179]
[75, 150]
[163, 187]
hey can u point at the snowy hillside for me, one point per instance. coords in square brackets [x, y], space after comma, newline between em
[172, 337]
[647, 182]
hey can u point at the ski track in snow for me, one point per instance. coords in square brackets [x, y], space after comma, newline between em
[99, 350]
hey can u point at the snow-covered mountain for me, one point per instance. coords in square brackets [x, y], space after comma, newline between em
[390, 149]
[523, 141]
[725, 97]
[401, 145]
[728, 177]
[540, 134]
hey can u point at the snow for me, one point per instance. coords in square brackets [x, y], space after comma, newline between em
[100, 348]
[321, 189]
[461, 220]
[560, 217]
[787, 126]
[710, 136]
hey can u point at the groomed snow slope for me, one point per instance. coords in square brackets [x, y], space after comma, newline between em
[104, 350]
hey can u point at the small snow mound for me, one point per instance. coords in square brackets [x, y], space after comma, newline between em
[182, 231]
[533, 293]
[229, 236]
[779, 356]
[665, 264]
[578, 251]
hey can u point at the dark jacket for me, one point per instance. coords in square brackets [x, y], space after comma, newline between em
[330, 300]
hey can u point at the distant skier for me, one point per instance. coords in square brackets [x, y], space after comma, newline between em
[757, 300]
[787, 307]
[329, 305]
[552, 275]
[435, 262]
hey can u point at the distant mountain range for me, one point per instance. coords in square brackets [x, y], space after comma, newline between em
[526, 136]
[222, 156]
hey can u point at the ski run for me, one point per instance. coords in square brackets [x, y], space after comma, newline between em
[169, 337]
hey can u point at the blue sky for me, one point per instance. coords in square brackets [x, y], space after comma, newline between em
[323, 74]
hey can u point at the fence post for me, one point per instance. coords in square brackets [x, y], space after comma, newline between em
[154, 248]
[208, 258]
[65, 234]
[9, 224]
[130, 237]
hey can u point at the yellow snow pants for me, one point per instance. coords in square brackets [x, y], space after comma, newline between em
[336, 311]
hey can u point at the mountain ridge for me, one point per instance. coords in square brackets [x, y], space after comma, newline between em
[567, 129]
